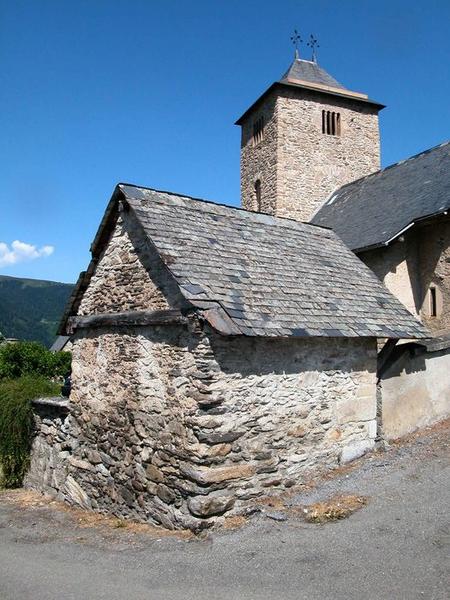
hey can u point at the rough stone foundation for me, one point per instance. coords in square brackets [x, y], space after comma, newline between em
[176, 425]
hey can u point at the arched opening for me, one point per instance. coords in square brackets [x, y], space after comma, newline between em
[258, 194]
[433, 302]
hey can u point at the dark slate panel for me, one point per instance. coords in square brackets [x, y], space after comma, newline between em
[373, 210]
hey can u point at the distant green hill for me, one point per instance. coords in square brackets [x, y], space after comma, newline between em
[30, 309]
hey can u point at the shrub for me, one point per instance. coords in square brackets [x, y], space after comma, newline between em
[16, 424]
[32, 358]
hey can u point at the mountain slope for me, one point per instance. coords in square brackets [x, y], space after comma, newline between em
[30, 309]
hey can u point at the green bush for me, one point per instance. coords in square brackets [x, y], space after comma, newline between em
[32, 358]
[16, 424]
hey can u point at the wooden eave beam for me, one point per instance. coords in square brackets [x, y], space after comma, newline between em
[126, 319]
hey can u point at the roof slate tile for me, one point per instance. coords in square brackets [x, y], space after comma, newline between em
[273, 276]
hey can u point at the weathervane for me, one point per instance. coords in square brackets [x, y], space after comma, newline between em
[313, 44]
[296, 40]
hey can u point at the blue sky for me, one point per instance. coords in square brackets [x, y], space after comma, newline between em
[146, 91]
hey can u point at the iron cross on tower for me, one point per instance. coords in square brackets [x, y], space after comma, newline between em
[296, 40]
[313, 44]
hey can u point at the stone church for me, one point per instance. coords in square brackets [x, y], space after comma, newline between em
[224, 354]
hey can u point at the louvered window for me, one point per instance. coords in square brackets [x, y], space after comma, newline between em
[258, 130]
[331, 123]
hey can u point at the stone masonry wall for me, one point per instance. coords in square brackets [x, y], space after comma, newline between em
[259, 161]
[129, 275]
[410, 267]
[298, 165]
[434, 269]
[312, 165]
[177, 426]
[396, 267]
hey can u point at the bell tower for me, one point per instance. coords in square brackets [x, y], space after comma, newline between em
[305, 137]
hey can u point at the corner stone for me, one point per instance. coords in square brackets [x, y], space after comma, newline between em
[356, 450]
[76, 494]
[209, 506]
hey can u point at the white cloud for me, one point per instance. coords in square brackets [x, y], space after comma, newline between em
[20, 251]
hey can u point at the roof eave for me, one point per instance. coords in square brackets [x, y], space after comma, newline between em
[310, 88]
[256, 103]
[103, 228]
[388, 242]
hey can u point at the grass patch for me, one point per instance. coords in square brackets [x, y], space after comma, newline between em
[234, 522]
[336, 508]
[16, 424]
[120, 524]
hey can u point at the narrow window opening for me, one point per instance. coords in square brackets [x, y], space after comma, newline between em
[258, 130]
[258, 194]
[433, 302]
[331, 123]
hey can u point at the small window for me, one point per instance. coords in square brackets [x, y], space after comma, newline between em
[258, 194]
[433, 302]
[258, 130]
[331, 123]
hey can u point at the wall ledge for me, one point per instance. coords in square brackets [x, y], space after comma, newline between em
[55, 402]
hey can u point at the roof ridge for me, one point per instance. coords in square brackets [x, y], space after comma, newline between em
[221, 204]
[399, 162]
[404, 160]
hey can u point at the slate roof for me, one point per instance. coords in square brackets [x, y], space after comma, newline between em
[307, 70]
[266, 276]
[375, 210]
[60, 343]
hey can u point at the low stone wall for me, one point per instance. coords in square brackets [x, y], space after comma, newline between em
[54, 442]
[415, 389]
[178, 426]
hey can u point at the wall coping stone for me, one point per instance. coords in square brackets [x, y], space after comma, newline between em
[58, 402]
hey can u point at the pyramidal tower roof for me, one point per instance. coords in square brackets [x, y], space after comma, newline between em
[308, 71]
[309, 75]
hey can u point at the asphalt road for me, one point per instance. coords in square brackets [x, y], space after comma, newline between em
[396, 548]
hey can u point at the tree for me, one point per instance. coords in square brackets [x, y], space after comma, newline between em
[32, 358]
